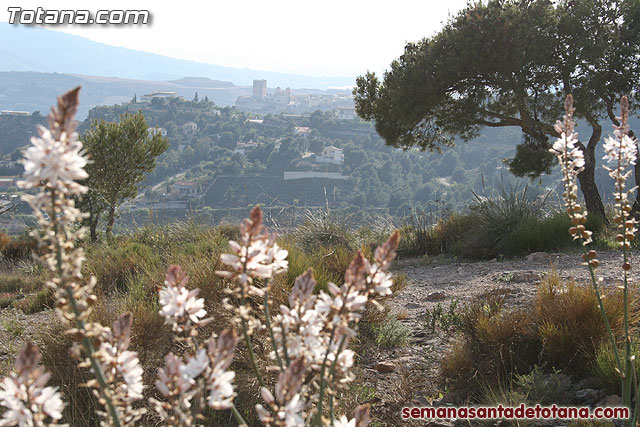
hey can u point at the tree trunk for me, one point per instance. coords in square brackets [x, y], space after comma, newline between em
[111, 218]
[592, 199]
[94, 218]
[586, 178]
[92, 232]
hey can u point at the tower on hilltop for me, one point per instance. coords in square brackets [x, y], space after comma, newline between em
[259, 88]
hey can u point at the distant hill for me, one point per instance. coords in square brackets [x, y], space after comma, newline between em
[31, 91]
[201, 82]
[37, 49]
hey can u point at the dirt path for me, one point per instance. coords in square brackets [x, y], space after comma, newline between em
[415, 367]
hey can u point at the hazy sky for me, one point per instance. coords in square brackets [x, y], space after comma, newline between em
[330, 37]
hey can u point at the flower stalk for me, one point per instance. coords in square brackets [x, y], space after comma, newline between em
[53, 164]
[204, 368]
[620, 154]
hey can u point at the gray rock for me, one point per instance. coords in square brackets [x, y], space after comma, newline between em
[412, 305]
[524, 276]
[385, 367]
[587, 383]
[588, 396]
[421, 334]
[538, 257]
[436, 296]
[611, 400]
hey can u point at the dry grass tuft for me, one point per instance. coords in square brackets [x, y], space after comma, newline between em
[65, 373]
[563, 331]
[20, 248]
[570, 324]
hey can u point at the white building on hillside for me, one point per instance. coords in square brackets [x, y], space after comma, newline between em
[14, 113]
[190, 128]
[165, 94]
[331, 154]
[302, 130]
[242, 147]
[157, 131]
[344, 113]
[185, 188]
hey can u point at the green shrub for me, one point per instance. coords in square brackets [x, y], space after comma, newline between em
[509, 223]
[115, 265]
[300, 261]
[502, 394]
[546, 234]
[443, 319]
[502, 341]
[545, 388]
[495, 218]
[19, 282]
[328, 263]
[400, 281]
[13, 326]
[417, 236]
[538, 235]
[54, 346]
[391, 332]
[37, 302]
[7, 299]
[536, 387]
[604, 366]
[321, 229]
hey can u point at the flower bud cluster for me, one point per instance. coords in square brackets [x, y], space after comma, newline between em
[256, 256]
[24, 395]
[185, 380]
[122, 370]
[571, 157]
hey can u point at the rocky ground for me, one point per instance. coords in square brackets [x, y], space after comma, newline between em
[409, 374]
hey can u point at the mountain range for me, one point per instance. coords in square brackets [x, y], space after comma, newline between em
[27, 48]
